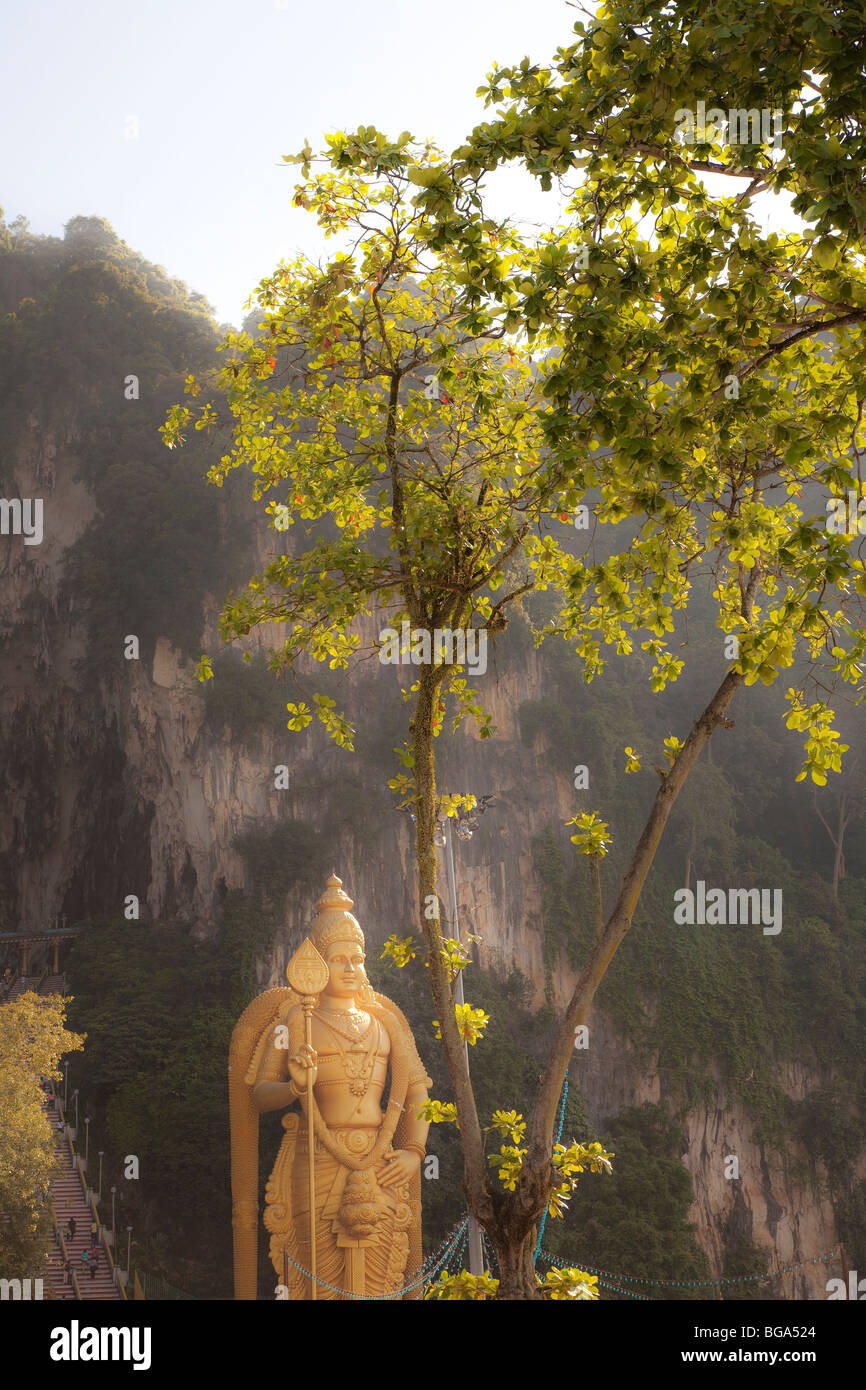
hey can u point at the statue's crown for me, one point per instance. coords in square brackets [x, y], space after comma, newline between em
[333, 920]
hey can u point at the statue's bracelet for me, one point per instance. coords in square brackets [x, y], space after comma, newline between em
[419, 1149]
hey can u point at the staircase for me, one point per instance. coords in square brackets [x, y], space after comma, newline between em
[22, 983]
[68, 1199]
[39, 984]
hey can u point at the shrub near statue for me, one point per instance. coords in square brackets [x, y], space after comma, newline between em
[366, 1162]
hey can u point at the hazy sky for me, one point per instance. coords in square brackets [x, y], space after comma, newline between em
[220, 91]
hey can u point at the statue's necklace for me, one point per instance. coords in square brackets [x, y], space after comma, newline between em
[358, 1023]
[358, 1062]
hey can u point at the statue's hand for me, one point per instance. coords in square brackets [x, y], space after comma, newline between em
[305, 1060]
[400, 1166]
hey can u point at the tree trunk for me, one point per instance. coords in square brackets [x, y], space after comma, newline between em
[515, 1256]
[514, 1232]
[475, 1174]
[837, 838]
[510, 1218]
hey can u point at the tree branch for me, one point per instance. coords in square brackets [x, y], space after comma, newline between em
[618, 924]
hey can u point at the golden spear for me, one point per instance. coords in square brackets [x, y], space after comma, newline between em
[307, 974]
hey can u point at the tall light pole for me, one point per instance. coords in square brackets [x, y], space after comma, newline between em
[86, 1138]
[65, 1086]
[101, 1152]
[113, 1226]
[76, 1112]
[128, 1248]
[476, 1252]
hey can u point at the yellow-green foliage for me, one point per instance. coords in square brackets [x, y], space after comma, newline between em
[33, 1038]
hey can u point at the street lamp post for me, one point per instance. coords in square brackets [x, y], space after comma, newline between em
[101, 1152]
[128, 1248]
[65, 1086]
[113, 1226]
[476, 1252]
[86, 1139]
[76, 1112]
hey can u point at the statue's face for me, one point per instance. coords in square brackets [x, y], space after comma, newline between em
[345, 960]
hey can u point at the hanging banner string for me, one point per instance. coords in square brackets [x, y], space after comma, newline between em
[693, 1283]
[562, 1099]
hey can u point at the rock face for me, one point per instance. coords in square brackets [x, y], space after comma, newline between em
[770, 1203]
[767, 1205]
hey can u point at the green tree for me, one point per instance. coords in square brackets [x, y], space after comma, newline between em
[704, 378]
[718, 368]
[682, 389]
[33, 1038]
[410, 446]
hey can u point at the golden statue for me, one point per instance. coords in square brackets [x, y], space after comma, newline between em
[328, 1041]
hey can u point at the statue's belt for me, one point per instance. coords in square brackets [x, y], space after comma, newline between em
[356, 1139]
